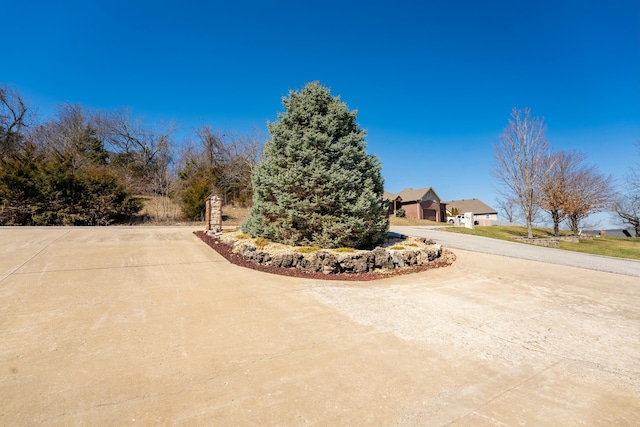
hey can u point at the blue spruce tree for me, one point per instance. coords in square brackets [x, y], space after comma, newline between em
[316, 185]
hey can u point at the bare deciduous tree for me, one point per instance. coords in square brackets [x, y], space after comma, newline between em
[589, 192]
[244, 153]
[508, 207]
[120, 130]
[521, 162]
[627, 204]
[13, 118]
[162, 179]
[64, 135]
[557, 185]
[137, 147]
[212, 148]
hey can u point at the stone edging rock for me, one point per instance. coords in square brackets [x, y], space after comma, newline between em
[416, 252]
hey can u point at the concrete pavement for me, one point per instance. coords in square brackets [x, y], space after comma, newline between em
[149, 326]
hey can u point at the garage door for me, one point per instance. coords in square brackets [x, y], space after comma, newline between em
[429, 214]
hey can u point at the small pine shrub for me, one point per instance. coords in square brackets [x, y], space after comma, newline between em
[401, 213]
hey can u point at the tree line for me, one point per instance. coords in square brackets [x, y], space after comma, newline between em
[93, 168]
[534, 177]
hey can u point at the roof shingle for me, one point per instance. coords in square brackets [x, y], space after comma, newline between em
[410, 195]
[470, 205]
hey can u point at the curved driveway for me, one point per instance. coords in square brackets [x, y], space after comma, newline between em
[523, 251]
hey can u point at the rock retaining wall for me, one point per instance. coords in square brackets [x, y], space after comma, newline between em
[331, 262]
[552, 241]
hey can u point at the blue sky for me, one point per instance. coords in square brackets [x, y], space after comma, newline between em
[433, 81]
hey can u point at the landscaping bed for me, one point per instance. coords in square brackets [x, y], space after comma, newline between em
[398, 255]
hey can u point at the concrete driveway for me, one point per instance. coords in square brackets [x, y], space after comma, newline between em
[148, 326]
[519, 250]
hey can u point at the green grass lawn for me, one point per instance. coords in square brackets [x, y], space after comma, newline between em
[619, 247]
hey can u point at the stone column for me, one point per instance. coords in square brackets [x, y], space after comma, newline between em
[213, 214]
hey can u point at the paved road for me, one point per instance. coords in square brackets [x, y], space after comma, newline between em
[519, 250]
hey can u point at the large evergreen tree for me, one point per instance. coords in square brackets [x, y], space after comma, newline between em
[316, 184]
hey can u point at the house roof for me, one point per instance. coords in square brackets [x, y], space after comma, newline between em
[470, 205]
[389, 196]
[411, 195]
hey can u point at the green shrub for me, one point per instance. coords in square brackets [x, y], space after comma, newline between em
[401, 213]
[40, 190]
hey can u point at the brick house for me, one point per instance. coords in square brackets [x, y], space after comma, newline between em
[423, 203]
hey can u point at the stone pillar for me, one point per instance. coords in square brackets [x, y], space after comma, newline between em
[213, 216]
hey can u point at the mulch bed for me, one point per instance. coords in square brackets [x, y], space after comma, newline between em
[445, 260]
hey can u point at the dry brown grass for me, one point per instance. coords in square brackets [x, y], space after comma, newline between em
[234, 216]
[156, 211]
[393, 220]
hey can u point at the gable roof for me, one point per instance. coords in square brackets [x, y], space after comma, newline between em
[470, 205]
[389, 196]
[411, 195]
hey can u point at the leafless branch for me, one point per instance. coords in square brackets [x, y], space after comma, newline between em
[521, 162]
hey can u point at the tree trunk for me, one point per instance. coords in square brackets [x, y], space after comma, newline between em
[556, 222]
[573, 224]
